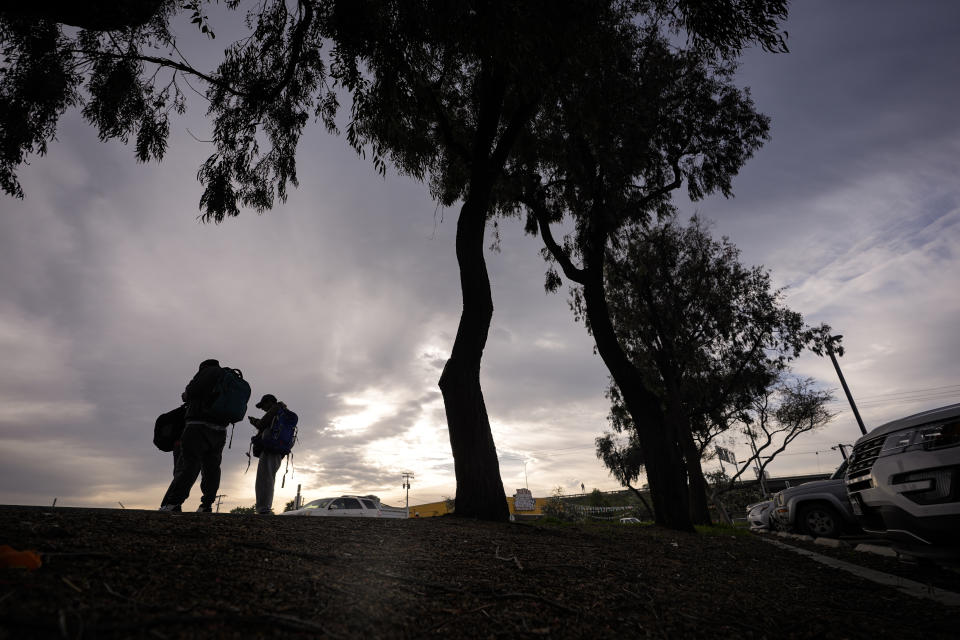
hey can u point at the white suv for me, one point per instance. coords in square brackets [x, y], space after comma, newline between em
[348, 507]
[903, 479]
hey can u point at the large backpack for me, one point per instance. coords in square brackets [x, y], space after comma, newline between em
[169, 428]
[228, 400]
[281, 435]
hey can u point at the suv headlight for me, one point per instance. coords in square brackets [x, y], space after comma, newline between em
[935, 436]
[938, 436]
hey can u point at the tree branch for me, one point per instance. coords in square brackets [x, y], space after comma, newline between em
[499, 156]
[542, 214]
[296, 50]
[663, 190]
[163, 62]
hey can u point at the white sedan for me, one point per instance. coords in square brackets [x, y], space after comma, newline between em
[347, 507]
[759, 515]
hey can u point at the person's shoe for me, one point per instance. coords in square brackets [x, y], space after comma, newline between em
[170, 508]
[204, 508]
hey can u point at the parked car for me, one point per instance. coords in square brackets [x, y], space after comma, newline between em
[347, 507]
[820, 508]
[758, 515]
[904, 482]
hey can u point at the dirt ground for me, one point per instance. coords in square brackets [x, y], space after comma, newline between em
[143, 574]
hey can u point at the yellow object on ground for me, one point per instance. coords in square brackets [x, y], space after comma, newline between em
[432, 509]
[10, 558]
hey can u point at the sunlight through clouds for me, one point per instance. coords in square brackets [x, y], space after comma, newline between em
[368, 407]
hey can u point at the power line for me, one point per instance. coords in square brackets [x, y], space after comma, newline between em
[927, 393]
[903, 400]
[955, 387]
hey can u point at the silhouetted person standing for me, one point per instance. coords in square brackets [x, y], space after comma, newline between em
[201, 445]
[269, 461]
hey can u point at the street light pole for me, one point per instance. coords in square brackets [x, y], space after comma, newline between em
[843, 383]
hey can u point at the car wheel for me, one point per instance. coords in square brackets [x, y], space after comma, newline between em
[819, 520]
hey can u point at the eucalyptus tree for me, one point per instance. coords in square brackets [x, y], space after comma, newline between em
[445, 91]
[647, 124]
[710, 335]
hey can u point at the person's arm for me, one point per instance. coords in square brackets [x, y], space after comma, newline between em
[268, 417]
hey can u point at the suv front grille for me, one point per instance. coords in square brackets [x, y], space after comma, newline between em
[864, 455]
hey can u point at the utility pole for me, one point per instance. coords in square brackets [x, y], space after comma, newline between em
[406, 485]
[220, 497]
[843, 382]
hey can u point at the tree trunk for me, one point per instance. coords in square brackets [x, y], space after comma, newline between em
[699, 507]
[662, 459]
[680, 425]
[646, 505]
[479, 487]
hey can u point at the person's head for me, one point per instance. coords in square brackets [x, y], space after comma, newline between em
[266, 402]
[209, 363]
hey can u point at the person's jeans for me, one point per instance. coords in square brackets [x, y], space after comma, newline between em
[201, 448]
[267, 479]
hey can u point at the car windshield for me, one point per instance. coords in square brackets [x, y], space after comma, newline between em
[347, 503]
[317, 504]
[838, 474]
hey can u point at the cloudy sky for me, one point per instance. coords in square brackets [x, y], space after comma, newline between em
[344, 301]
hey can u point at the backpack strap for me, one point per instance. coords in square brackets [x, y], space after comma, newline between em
[249, 457]
[289, 458]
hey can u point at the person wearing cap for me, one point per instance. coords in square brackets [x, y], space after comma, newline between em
[269, 462]
[201, 445]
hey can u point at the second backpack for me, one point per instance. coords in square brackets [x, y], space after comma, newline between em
[281, 435]
[168, 428]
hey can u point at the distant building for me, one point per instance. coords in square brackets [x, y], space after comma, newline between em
[523, 500]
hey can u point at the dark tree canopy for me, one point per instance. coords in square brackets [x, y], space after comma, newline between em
[708, 335]
[690, 314]
[51, 66]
